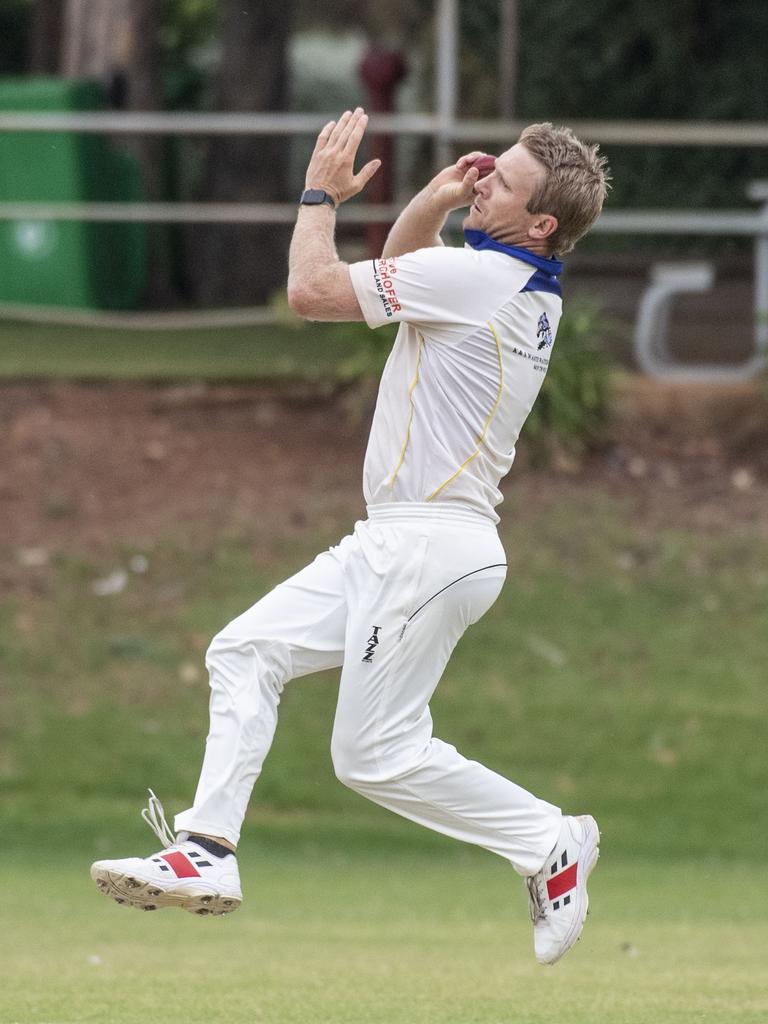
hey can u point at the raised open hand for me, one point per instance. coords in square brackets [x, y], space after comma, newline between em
[331, 166]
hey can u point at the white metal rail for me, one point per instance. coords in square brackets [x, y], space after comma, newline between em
[615, 222]
[446, 131]
[189, 213]
[617, 133]
[667, 280]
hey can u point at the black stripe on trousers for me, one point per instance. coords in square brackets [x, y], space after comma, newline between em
[496, 565]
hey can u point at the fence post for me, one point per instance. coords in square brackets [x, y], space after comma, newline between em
[758, 191]
[446, 81]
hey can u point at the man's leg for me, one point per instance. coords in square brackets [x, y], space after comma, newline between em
[383, 745]
[296, 629]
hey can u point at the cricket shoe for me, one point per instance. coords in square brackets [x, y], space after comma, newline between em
[184, 874]
[557, 895]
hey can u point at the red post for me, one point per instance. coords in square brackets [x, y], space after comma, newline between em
[382, 71]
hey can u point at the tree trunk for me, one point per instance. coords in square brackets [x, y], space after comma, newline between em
[509, 53]
[105, 38]
[45, 33]
[116, 42]
[232, 264]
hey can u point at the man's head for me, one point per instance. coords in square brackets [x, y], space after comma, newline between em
[545, 193]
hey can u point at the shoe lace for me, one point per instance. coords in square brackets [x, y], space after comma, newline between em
[536, 897]
[154, 815]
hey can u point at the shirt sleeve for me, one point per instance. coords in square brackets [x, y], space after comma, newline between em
[445, 291]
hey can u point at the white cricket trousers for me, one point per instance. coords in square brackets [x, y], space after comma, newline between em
[389, 604]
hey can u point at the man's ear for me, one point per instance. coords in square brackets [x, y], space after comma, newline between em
[543, 227]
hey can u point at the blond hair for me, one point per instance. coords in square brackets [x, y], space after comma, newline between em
[575, 183]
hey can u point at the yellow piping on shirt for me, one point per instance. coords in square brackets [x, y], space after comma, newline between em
[411, 389]
[486, 425]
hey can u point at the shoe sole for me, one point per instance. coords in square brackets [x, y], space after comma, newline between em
[132, 891]
[588, 858]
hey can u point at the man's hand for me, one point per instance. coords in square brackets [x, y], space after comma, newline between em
[331, 167]
[455, 186]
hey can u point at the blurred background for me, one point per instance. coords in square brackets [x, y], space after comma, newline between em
[175, 442]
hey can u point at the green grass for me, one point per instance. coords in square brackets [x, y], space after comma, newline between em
[357, 937]
[620, 672]
[315, 352]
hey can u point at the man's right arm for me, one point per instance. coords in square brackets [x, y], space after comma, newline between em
[420, 223]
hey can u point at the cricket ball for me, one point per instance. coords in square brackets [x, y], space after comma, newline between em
[484, 164]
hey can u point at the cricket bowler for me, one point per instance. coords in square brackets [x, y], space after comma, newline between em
[387, 606]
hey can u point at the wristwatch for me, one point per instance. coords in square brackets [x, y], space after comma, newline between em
[316, 197]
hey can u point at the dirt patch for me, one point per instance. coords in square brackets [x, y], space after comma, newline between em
[691, 455]
[87, 467]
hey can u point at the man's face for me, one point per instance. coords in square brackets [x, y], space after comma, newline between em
[501, 198]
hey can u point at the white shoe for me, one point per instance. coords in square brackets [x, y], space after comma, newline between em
[183, 875]
[557, 895]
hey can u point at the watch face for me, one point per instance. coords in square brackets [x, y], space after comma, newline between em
[315, 196]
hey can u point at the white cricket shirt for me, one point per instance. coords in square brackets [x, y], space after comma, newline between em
[477, 327]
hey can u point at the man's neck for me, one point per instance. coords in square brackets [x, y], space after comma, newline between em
[544, 260]
[537, 248]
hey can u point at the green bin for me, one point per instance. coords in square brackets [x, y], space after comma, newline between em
[67, 263]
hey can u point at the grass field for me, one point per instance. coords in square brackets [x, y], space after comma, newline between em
[315, 352]
[621, 672]
[337, 936]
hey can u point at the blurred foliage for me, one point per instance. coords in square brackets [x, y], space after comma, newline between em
[14, 30]
[367, 352]
[187, 39]
[571, 412]
[389, 24]
[694, 59]
[188, 23]
[188, 28]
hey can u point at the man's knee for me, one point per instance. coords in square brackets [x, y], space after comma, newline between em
[223, 653]
[217, 648]
[236, 661]
[353, 761]
[364, 762]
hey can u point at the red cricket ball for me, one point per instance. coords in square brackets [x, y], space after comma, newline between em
[484, 164]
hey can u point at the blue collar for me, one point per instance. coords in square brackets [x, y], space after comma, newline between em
[479, 240]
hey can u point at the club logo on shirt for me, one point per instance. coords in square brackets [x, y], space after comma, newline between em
[544, 332]
[383, 272]
[373, 643]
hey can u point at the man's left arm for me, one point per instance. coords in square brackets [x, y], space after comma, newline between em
[319, 284]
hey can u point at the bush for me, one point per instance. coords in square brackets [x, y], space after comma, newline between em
[571, 413]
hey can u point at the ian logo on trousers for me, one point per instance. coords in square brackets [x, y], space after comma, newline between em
[373, 643]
